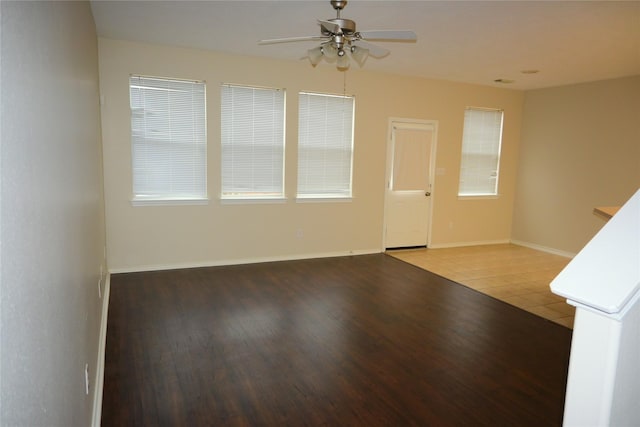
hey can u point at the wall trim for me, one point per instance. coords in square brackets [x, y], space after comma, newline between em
[543, 248]
[476, 243]
[220, 263]
[96, 417]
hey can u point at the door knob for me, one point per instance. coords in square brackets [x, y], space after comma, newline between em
[428, 193]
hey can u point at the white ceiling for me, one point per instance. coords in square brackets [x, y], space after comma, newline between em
[467, 41]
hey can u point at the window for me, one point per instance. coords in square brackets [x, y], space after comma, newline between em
[252, 142]
[325, 145]
[481, 140]
[168, 139]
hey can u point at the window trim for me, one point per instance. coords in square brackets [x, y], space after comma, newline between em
[479, 196]
[169, 199]
[496, 193]
[253, 196]
[346, 199]
[328, 196]
[254, 200]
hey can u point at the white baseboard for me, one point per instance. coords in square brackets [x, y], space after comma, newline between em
[218, 263]
[99, 379]
[476, 243]
[543, 248]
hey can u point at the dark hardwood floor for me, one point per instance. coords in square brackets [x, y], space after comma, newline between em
[363, 340]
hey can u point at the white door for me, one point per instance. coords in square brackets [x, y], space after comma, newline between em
[410, 160]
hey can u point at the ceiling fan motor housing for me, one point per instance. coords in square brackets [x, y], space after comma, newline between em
[347, 26]
[338, 4]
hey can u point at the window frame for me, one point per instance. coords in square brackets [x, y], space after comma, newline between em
[496, 154]
[198, 117]
[319, 196]
[252, 195]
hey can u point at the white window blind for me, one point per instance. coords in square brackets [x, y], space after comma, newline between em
[325, 145]
[168, 139]
[252, 142]
[481, 141]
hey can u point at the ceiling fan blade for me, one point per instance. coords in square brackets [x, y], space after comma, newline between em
[374, 50]
[293, 39]
[390, 35]
[332, 27]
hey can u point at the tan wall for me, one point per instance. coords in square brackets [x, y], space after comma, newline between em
[156, 236]
[580, 149]
[52, 220]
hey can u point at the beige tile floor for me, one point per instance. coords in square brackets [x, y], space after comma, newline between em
[508, 272]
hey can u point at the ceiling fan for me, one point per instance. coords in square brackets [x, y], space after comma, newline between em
[339, 36]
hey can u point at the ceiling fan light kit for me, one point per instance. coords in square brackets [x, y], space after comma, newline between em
[338, 37]
[360, 54]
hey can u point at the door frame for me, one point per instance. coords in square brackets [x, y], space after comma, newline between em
[389, 170]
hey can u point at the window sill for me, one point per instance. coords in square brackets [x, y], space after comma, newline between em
[479, 197]
[168, 202]
[324, 199]
[252, 201]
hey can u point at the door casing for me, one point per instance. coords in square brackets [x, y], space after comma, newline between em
[431, 125]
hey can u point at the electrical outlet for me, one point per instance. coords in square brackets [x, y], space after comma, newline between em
[86, 378]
